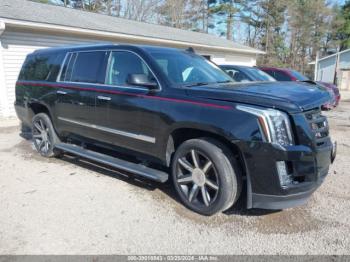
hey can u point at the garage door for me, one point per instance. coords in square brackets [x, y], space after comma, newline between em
[15, 47]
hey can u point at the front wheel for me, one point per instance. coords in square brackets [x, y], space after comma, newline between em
[205, 176]
[44, 135]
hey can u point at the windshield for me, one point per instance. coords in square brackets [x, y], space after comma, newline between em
[298, 76]
[188, 69]
[259, 75]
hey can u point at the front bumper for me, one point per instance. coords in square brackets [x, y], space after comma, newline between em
[307, 166]
[280, 202]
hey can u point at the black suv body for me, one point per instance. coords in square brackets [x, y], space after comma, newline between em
[173, 112]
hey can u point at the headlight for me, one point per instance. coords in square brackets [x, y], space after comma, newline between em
[274, 124]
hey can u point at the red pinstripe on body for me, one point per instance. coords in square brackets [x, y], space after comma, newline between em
[175, 100]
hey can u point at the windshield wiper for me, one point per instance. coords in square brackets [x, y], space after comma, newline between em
[225, 81]
[207, 83]
[197, 84]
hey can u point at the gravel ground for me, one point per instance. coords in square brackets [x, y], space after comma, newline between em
[66, 206]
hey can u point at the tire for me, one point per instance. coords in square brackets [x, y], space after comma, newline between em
[212, 182]
[44, 136]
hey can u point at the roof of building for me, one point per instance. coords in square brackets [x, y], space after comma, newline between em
[33, 12]
[105, 46]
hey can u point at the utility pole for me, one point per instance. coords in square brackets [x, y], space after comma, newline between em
[316, 65]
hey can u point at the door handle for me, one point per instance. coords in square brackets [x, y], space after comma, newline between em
[107, 98]
[61, 92]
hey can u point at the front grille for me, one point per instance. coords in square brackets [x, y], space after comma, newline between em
[319, 126]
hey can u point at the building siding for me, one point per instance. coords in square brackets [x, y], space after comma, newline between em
[15, 47]
[344, 60]
[326, 69]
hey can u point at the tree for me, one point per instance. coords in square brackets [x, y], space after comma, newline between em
[141, 10]
[252, 16]
[184, 14]
[225, 9]
[343, 33]
[113, 7]
[308, 24]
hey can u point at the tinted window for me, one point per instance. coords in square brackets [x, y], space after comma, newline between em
[88, 67]
[41, 67]
[281, 76]
[185, 68]
[259, 75]
[122, 64]
[68, 62]
[238, 75]
[298, 76]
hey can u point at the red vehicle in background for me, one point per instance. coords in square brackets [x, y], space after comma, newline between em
[284, 74]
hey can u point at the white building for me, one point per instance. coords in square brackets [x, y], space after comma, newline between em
[26, 26]
[334, 67]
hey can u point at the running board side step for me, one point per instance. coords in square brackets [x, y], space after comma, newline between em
[138, 169]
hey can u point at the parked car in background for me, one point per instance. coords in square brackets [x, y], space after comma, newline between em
[284, 74]
[246, 73]
[335, 90]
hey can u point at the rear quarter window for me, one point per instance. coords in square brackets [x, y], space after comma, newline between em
[41, 67]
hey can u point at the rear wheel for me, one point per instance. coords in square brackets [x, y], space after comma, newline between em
[44, 135]
[205, 176]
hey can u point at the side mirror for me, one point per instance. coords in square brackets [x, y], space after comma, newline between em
[141, 80]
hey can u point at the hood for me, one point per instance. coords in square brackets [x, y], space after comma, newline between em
[292, 97]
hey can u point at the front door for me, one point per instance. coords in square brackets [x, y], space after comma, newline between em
[127, 115]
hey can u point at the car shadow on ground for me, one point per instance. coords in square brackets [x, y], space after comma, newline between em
[238, 209]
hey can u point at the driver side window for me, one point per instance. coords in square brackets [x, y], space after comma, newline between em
[122, 64]
[237, 76]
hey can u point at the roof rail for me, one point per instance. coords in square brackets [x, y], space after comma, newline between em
[190, 49]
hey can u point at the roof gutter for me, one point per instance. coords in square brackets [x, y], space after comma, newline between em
[90, 32]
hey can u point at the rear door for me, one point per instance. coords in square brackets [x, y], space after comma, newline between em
[76, 92]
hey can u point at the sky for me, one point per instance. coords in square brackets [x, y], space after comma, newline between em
[340, 2]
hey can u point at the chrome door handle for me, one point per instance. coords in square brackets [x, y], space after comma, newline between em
[104, 98]
[61, 92]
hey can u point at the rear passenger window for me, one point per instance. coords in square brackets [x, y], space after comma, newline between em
[122, 64]
[87, 67]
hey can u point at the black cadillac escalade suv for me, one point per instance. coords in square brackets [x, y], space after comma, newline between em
[159, 112]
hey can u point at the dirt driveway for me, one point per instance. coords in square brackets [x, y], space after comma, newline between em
[66, 206]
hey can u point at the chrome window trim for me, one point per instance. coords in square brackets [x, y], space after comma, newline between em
[73, 66]
[110, 130]
[62, 65]
[105, 85]
[117, 86]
